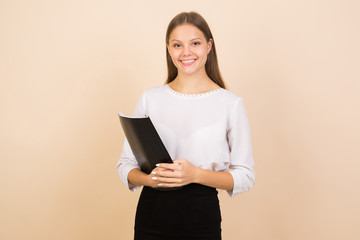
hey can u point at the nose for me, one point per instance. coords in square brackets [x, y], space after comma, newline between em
[186, 50]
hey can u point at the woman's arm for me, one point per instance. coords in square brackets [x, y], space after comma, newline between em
[183, 173]
[220, 180]
[138, 178]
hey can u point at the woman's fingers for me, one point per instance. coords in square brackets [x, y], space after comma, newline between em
[168, 174]
[167, 180]
[179, 161]
[169, 185]
[171, 166]
[160, 169]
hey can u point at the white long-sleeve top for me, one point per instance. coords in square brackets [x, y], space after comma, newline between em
[210, 130]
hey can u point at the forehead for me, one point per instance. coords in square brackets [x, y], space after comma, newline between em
[186, 32]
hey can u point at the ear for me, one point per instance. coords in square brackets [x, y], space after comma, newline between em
[210, 43]
[167, 49]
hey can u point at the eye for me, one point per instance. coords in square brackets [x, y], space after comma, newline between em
[196, 43]
[176, 45]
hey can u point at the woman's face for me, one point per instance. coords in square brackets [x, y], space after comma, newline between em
[188, 49]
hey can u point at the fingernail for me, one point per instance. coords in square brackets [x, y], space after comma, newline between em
[154, 178]
[157, 165]
[153, 173]
[176, 163]
[160, 184]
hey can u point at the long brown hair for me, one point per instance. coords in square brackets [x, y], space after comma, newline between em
[211, 65]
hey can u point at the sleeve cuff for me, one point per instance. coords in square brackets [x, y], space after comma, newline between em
[242, 182]
[124, 176]
[235, 189]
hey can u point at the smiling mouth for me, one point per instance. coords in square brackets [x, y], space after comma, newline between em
[188, 61]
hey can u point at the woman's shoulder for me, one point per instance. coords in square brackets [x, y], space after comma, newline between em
[154, 89]
[230, 97]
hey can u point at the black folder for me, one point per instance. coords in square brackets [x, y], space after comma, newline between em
[144, 142]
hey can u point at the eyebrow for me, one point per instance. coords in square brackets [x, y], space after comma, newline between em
[190, 40]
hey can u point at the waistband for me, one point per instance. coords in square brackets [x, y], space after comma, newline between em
[192, 189]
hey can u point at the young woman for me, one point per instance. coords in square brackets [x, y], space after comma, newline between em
[205, 129]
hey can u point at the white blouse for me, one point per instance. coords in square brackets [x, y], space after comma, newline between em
[210, 130]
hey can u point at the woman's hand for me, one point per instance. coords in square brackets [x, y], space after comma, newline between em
[153, 182]
[176, 174]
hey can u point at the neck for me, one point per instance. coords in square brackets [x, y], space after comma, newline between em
[194, 83]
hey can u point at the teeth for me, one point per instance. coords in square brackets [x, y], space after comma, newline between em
[189, 61]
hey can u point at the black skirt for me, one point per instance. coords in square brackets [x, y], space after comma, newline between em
[191, 212]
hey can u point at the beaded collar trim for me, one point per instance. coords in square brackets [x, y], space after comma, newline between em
[192, 95]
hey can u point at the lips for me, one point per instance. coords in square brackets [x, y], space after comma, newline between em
[188, 62]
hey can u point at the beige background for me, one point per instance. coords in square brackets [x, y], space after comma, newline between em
[68, 66]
